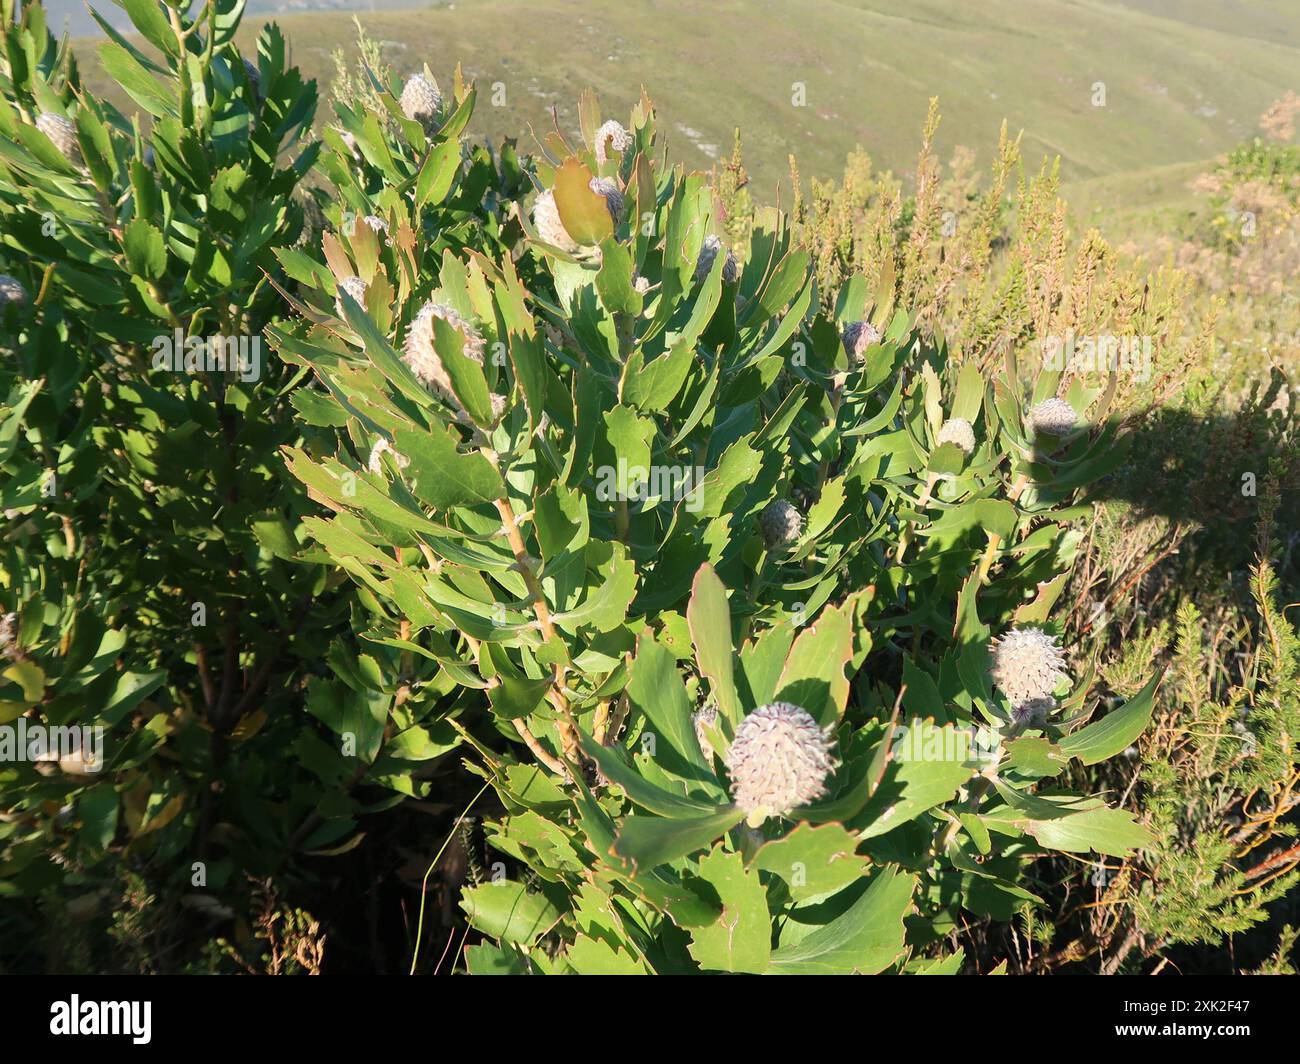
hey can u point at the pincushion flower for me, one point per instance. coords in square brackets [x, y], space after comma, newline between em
[858, 336]
[779, 760]
[421, 101]
[958, 431]
[781, 523]
[1027, 665]
[1053, 417]
[611, 136]
[709, 252]
[701, 720]
[421, 355]
[62, 133]
[381, 445]
[356, 288]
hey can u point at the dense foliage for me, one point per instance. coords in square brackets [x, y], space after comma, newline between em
[342, 473]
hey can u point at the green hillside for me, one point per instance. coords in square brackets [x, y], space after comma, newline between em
[1181, 82]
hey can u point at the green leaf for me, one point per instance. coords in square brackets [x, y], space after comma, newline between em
[583, 212]
[813, 860]
[814, 676]
[648, 841]
[741, 938]
[139, 84]
[146, 253]
[709, 617]
[928, 768]
[614, 280]
[1034, 756]
[657, 691]
[591, 956]
[1116, 731]
[506, 910]
[864, 940]
[1068, 823]
[643, 793]
[440, 475]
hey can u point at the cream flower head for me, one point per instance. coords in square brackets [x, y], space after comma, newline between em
[958, 431]
[779, 760]
[356, 288]
[546, 220]
[421, 355]
[1053, 417]
[611, 136]
[1027, 665]
[62, 133]
[421, 101]
[858, 336]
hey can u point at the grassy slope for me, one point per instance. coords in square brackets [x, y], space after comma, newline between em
[1183, 80]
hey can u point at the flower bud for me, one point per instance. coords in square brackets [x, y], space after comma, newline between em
[421, 355]
[12, 292]
[709, 252]
[356, 288]
[780, 523]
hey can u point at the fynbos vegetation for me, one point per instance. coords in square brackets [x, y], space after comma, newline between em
[739, 591]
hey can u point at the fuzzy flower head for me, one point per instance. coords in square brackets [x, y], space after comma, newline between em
[607, 188]
[381, 446]
[9, 637]
[421, 101]
[611, 137]
[62, 133]
[779, 760]
[420, 354]
[781, 523]
[12, 291]
[546, 220]
[1027, 665]
[1053, 417]
[356, 288]
[858, 336]
[709, 252]
[703, 719]
[376, 223]
[958, 431]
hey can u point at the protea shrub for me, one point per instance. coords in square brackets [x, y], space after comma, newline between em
[512, 497]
